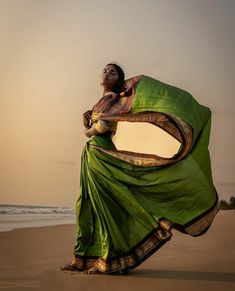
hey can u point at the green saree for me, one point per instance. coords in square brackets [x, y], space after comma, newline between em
[128, 202]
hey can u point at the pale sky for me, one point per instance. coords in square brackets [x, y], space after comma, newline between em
[51, 56]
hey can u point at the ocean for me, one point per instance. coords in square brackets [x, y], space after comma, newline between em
[20, 216]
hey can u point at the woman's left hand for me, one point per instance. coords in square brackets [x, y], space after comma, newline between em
[87, 118]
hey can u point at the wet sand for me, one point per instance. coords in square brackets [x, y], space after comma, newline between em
[31, 260]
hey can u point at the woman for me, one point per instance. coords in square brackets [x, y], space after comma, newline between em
[129, 202]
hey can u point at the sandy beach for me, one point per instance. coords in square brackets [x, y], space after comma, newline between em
[31, 260]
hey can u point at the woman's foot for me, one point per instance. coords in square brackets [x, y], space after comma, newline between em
[71, 267]
[92, 270]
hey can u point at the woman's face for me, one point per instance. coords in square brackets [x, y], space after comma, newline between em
[109, 77]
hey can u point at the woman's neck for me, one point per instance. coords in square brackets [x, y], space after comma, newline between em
[107, 90]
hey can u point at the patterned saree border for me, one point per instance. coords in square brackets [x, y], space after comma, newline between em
[169, 123]
[201, 223]
[123, 263]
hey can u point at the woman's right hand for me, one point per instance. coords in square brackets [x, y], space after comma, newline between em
[87, 118]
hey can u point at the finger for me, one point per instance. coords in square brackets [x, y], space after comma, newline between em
[86, 114]
[87, 111]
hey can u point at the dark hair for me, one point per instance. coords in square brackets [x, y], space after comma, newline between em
[121, 74]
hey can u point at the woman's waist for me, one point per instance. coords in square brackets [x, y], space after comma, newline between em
[104, 140]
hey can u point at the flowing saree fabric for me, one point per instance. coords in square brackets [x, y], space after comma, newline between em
[129, 202]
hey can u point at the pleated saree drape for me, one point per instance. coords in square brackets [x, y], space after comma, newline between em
[129, 202]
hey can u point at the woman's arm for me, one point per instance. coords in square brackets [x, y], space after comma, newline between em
[91, 131]
[97, 128]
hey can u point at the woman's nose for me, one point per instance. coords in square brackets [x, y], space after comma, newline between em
[106, 75]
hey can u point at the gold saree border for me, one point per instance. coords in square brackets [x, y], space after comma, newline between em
[200, 224]
[175, 126]
[148, 245]
[123, 263]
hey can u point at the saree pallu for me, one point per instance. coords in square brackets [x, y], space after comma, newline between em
[128, 203]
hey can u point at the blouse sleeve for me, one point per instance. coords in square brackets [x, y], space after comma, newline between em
[101, 125]
[104, 125]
